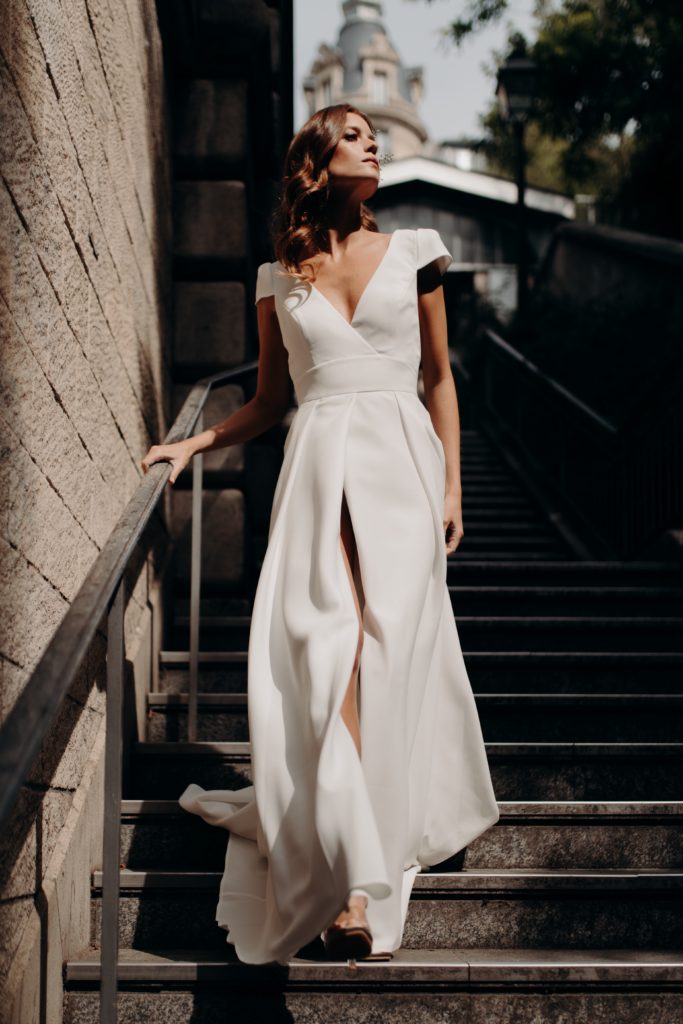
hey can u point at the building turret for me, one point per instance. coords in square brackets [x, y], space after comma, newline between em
[364, 68]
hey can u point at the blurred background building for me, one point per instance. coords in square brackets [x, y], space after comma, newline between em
[448, 184]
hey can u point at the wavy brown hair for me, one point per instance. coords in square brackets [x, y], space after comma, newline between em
[299, 221]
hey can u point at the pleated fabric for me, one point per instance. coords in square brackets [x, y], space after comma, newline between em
[318, 820]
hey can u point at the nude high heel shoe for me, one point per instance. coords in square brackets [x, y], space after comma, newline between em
[351, 940]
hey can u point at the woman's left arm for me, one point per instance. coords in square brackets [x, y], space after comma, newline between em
[440, 394]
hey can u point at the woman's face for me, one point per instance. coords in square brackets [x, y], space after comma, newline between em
[354, 163]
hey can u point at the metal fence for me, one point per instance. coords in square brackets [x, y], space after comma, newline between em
[623, 483]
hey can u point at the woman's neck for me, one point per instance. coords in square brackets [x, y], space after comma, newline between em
[342, 219]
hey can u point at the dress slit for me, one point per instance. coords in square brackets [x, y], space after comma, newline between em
[352, 572]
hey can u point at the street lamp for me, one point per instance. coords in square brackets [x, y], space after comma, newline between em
[515, 92]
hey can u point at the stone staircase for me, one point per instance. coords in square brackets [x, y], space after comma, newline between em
[569, 909]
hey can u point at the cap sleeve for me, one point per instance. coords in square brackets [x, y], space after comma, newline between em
[430, 247]
[264, 282]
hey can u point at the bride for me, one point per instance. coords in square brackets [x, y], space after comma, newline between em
[368, 761]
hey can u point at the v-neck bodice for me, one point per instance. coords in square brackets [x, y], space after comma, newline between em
[322, 344]
[367, 287]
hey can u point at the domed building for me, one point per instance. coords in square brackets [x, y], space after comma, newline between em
[364, 68]
[441, 184]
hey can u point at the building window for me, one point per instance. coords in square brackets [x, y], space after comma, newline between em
[380, 90]
[326, 92]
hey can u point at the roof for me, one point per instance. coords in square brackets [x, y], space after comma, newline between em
[437, 172]
[355, 34]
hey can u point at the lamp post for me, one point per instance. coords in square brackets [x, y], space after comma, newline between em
[515, 93]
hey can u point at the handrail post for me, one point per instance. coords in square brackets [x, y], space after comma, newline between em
[195, 584]
[111, 843]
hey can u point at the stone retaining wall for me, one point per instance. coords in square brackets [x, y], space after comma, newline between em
[84, 321]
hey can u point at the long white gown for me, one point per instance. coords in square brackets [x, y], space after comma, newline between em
[318, 820]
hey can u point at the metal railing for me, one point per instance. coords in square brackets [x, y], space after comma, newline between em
[623, 482]
[28, 723]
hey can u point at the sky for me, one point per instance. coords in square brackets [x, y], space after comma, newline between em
[456, 88]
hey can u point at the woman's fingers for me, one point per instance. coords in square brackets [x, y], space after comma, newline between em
[157, 453]
[178, 466]
[176, 454]
[454, 534]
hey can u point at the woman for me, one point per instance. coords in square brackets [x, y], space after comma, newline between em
[348, 803]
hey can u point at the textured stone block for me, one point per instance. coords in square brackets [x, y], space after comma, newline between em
[30, 503]
[209, 323]
[210, 121]
[222, 534]
[30, 609]
[210, 219]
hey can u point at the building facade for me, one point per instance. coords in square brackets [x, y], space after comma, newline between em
[363, 67]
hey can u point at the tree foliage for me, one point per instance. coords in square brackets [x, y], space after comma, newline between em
[609, 114]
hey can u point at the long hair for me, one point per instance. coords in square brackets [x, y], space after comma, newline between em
[299, 221]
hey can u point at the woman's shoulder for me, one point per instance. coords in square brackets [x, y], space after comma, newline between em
[430, 246]
[264, 281]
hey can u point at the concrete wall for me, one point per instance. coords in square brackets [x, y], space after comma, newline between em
[594, 262]
[84, 311]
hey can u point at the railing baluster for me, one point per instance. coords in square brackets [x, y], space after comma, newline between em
[195, 584]
[111, 843]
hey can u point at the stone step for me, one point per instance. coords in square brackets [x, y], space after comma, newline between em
[587, 909]
[541, 834]
[581, 633]
[514, 512]
[564, 573]
[513, 541]
[504, 488]
[520, 771]
[499, 600]
[210, 335]
[472, 474]
[604, 601]
[470, 458]
[432, 986]
[491, 632]
[512, 526]
[210, 230]
[524, 716]
[409, 966]
[489, 671]
[549, 554]
[493, 600]
[495, 506]
[513, 547]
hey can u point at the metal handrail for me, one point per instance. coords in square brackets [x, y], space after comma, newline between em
[549, 382]
[29, 721]
[625, 482]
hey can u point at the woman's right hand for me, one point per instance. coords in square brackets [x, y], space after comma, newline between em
[178, 454]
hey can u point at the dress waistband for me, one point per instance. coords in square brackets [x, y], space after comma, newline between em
[355, 373]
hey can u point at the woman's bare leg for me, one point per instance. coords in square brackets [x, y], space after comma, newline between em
[355, 906]
[349, 709]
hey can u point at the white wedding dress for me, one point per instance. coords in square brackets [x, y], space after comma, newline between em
[318, 820]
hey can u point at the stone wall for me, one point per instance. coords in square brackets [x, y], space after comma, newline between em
[84, 311]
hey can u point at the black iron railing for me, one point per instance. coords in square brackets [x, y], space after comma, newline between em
[623, 483]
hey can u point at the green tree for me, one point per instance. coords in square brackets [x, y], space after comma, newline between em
[609, 110]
